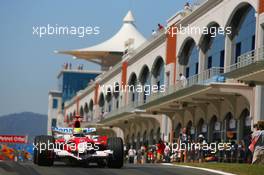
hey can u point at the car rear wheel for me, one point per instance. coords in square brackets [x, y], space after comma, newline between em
[44, 154]
[116, 160]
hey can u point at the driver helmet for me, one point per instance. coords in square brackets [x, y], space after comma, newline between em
[201, 136]
[77, 131]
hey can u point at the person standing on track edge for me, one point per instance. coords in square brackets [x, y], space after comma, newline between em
[131, 155]
[160, 150]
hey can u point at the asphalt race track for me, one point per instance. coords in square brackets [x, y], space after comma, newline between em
[11, 168]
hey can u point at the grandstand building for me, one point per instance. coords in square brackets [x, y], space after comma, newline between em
[221, 95]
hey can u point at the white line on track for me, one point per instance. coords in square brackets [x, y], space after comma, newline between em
[198, 168]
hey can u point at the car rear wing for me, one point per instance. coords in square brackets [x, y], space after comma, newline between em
[70, 130]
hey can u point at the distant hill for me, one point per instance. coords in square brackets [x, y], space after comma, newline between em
[25, 123]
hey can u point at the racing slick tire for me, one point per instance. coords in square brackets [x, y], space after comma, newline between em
[35, 151]
[116, 160]
[44, 154]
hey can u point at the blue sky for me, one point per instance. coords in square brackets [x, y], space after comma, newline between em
[29, 67]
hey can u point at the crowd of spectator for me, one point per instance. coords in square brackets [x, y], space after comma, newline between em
[68, 66]
[248, 150]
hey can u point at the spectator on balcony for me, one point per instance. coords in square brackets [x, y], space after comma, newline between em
[65, 66]
[81, 66]
[187, 8]
[154, 33]
[183, 80]
[160, 27]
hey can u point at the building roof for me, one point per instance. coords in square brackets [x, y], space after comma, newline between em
[109, 52]
[78, 71]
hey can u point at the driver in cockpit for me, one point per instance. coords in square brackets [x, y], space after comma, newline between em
[78, 132]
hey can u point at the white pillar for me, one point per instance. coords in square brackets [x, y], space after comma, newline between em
[166, 126]
[238, 122]
[229, 52]
[259, 104]
[202, 59]
[54, 112]
[260, 31]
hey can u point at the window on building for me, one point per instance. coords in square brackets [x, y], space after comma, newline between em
[187, 71]
[196, 68]
[55, 103]
[209, 63]
[53, 122]
[253, 42]
[244, 39]
[238, 51]
[192, 61]
[222, 58]
[214, 48]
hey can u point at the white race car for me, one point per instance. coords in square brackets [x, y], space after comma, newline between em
[79, 146]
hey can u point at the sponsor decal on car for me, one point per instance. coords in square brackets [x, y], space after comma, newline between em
[70, 130]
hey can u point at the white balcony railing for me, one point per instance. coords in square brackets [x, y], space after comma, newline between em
[247, 59]
[128, 108]
[206, 77]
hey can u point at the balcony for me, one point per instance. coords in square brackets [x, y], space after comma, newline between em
[213, 75]
[249, 67]
[206, 77]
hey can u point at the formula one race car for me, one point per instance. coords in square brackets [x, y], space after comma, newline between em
[78, 146]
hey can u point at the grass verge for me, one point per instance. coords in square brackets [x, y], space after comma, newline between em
[239, 169]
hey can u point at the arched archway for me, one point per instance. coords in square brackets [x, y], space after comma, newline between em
[230, 127]
[158, 134]
[202, 128]
[245, 124]
[101, 105]
[144, 80]
[74, 113]
[177, 131]
[133, 143]
[158, 72]
[190, 129]
[116, 94]
[151, 137]
[243, 24]
[91, 109]
[86, 111]
[132, 87]
[70, 117]
[213, 47]
[127, 141]
[81, 112]
[145, 141]
[138, 141]
[109, 100]
[214, 130]
[189, 57]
